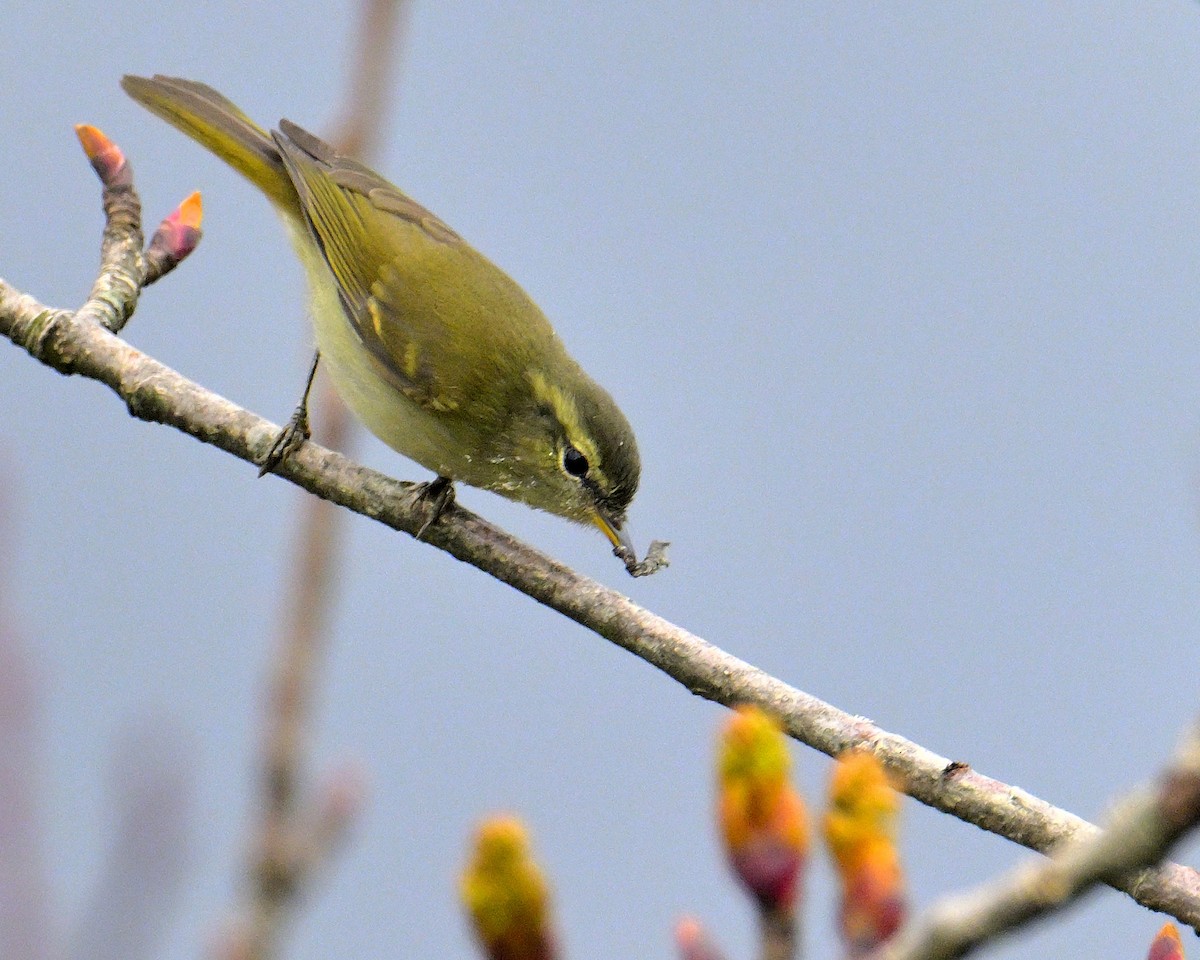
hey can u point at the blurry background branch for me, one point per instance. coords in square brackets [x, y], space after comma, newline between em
[131, 900]
[380, 35]
[291, 841]
[26, 929]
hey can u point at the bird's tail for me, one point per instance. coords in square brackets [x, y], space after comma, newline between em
[216, 123]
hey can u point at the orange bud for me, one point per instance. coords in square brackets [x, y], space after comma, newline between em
[506, 895]
[860, 828]
[190, 212]
[873, 903]
[94, 141]
[763, 819]
[177, 236]
[1166, 945]
[106, 157]
[863, 806]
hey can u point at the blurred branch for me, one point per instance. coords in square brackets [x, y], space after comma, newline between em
[291, 841]
[26, 929]
[380, 32]
[155, 393]
[1139, 833]
[131, 899]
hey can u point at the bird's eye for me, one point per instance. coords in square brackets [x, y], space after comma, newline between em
[574, 462]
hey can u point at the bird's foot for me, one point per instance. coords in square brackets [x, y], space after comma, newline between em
[291, 438]
[435, 496]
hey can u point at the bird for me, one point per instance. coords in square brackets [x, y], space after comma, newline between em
[433, 347]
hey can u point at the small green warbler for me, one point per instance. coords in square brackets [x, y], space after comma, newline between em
[434, 348]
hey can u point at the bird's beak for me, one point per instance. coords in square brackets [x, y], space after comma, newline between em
[616, 532]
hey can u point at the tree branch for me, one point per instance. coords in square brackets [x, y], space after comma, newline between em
[1139, 834]
[156, 393]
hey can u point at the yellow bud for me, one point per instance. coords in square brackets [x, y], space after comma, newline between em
[506, 895]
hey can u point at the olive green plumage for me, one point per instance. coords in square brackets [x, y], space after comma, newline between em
[434, 348]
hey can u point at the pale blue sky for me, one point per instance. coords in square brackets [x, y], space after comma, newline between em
[901, 299]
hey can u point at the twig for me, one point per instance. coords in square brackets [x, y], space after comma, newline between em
[124, 269]
[156, 393]
[1139, 833]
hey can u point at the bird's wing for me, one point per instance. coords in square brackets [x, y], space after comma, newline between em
[396, 266]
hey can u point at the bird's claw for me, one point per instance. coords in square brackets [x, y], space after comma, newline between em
[290, 439]
[436, 496]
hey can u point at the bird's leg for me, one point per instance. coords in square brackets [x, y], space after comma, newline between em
[436, 496]
[293, 435]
